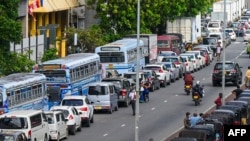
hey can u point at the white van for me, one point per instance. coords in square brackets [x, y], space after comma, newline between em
[214, 26]
[103, 96]
[32, 122]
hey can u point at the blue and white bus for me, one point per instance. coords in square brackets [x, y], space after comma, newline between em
[121, 55]
[71, 74]
[23, 91]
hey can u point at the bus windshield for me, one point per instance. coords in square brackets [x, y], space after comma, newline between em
[162, 43]
[111, 57]
[54, 75]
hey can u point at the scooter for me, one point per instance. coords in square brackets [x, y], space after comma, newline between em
[188, 88]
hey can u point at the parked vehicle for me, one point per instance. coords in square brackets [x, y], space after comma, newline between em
[169, 43]
[208, 128]
[228, 117]
[208, 48]
[83, 106]
[103, 96]
[73, 117]
[246, 36]
[195, 60]
[244, 108]
[178, 62]
[188, 63]
[183, 139]
[131, 76]
[232, 73]
[200, 135]
[174, 70]
[219, 37]
[122, 88]
[35, 124]
[162, 73]
[232, 34]
[162, 54]
[152, 78]
[236, 110]
[112, 73]
[247, 99]
[200, 57]
[13, 136]
[58, 128]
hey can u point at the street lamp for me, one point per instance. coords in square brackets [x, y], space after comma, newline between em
[224, 53]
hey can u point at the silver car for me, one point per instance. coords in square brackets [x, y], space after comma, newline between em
[179, 62]
[173, 69]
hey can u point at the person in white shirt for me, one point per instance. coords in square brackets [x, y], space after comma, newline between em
[218, 51]
[132, 96]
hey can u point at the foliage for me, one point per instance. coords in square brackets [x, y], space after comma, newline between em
[13, 62]
[50, 54]
[122, 15]
[9, 23]
[87, 39]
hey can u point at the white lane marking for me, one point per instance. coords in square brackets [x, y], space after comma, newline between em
[203, 79]
[165, 101]
[176, 95]
[153, 108]
[123, 125]
[105, 135]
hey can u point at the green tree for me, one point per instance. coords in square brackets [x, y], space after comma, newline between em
[10, 26]
[88, 39]
[50, 54]
[194, 7]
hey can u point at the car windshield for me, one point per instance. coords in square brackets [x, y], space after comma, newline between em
[228, 66]
[50, 118]
[168, 66]
[97, 90]
[152, 68]
[129, 76]
[190, 56]
[214, 35]
[247, 32]
[208, 41]
[7, 137]
[65, 112]
[170, 60]
[229, 31]
[13, 123]
[72, 102]
[116, 82]
[213, 25]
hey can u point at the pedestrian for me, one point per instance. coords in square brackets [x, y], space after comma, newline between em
[218, 101]
[146, 87]
[237, 92]
[132, 96]
[141, 94]
[218, 50]
[194, 119]
[187, 120]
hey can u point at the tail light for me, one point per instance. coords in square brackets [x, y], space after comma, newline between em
[84, 109]
[216, 71]
[193, 61]
[232, 71]
[178, 63]
[63, 86]
[71, 117]
[29, 134]
[171, 70]
[123, 92]
[160, 71]
[236, 123]
[186, 64]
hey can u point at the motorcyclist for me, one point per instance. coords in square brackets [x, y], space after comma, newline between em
[247, 76]
[197, 89]
[188, 78]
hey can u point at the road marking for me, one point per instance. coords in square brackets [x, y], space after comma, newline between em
[176, 95]
[123, 125]
[105, 135]
[153, 108]
[165, 101]
[203, 79]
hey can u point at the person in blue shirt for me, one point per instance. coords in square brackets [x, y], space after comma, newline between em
[194, 119]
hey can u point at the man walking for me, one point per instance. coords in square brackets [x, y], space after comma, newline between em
[218, 51]
[132, 96]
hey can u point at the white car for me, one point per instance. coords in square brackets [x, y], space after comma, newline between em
[246, 36]
[231, 33]
[174, 70]
[195, 60]
[201, 58]
[207, 48]
[83, 105]
[73, 117]
[219, 37]
[162, 73]
[165, 53]
[58, 128]
[188, 63]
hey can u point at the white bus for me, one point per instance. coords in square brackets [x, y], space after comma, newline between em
[70, 75]
[121, 55]
[23, 91]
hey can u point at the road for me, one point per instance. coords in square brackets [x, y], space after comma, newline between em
[165, 111]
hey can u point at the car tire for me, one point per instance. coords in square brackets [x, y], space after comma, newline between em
[58, 137]
[126, 102]
[168, 83]
[116, 108]
[110, 110]
[92, 119]
[67, 134]
[46, 138]
[86, 124]
[152, 87]
[73, 131]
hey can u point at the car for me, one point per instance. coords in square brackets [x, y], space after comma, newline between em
[246, 36]
[195, 60]
[188, 63]
[122, 88]
[178, 62]
[232, 73]
[131, 76]
[71, 114]
[207, 48]
[165, 53]
[58, 128]
[235, 27]
[174, 70]
[232, 34]
[152, 78]
[219, 36]
[227, 39]
[205, 54]
[83, 106]
[161, 71]
[200, 57]
[245, 18]
[12, 136]
[204, 31]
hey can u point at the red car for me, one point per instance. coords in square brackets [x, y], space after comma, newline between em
[206, 55]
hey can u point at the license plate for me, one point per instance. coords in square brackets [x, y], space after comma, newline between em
[98, 107]
[196, 97]
[111, 66]
[187, 86]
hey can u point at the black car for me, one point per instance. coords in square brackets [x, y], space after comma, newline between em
[232, 73]
[122, 88]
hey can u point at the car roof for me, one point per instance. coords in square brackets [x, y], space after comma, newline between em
[12, 133]
[61, 107]
[22, 113]
[74, 97]
[149, 65]
[115, 78]
[101, 84]
[52, 112]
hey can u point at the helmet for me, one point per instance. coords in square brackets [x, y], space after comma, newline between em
[197, 82]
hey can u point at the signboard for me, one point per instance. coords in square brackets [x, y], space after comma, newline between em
[50, 67]
[110, 49]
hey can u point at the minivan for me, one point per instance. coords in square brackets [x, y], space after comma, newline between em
[103, 96]
[32, 122]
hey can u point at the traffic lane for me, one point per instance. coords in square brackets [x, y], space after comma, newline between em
[120, 125]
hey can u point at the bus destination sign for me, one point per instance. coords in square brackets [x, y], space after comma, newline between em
[110, 49]
[50, 66]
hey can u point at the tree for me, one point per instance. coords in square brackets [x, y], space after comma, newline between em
[50, 54]
[88, 39]
[194, 7]
[10, 27]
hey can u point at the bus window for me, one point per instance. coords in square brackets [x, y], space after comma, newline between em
[82, 71]
[1, 99]
[54, 75]
[86, 69]
[17, 96]
[163, 43]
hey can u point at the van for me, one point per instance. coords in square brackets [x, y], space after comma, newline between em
[103, 96]
[214, 26]
[32, 122]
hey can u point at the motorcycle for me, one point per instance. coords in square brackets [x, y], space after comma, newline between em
[188, 88]
[196, 96]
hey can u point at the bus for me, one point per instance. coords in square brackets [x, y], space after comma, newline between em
[69, 75]
[169, 43]
[121, 55]
[23, 91]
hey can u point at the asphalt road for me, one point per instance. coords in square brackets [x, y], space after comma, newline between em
[165, 111]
